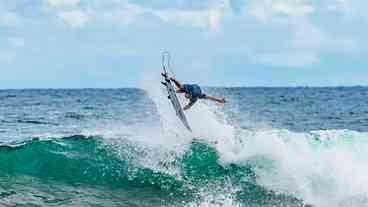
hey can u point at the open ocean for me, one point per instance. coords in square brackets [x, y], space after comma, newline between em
[125, 147]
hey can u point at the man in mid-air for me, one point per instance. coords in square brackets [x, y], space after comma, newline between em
[193, 92]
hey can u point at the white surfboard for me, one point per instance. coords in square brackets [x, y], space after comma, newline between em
[171, 91]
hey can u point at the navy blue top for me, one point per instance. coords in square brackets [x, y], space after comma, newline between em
[195, 91]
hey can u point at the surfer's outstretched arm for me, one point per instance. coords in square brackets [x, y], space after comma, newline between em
[219, 100]
[177, 83]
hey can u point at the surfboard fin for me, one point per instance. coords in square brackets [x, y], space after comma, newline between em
[164, 75]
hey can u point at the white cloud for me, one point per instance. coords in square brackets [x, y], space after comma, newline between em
[214, 18]
[204, 19]
[68, 11]
[62, 3]
[301, 42]
[305, 46]
[75, 18]
[292, 8]
[351, 9]
[266, 9]
[307, 36]
[124, 13]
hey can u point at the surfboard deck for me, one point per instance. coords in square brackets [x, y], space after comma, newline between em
[172, 96]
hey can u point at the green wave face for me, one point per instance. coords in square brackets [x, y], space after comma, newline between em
[78, 163]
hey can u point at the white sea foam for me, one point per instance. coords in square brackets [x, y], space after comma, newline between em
[322, 168]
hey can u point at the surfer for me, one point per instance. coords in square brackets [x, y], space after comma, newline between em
[193, 92]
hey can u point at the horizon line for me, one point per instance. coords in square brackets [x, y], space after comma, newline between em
[226, 87]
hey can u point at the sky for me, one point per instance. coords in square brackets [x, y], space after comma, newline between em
[118, 43]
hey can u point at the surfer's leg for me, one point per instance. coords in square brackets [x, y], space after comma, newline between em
[219, 100]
